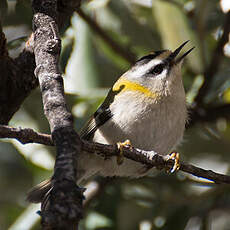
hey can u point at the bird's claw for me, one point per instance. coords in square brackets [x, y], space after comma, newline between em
[120, 146]
[176, 158]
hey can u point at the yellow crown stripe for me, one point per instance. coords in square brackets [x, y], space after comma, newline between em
[126, 85]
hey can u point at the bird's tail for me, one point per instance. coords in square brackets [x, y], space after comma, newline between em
[39, 192]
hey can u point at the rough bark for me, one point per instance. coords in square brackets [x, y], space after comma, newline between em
[17, 75]
[62, 209]
[17, 79]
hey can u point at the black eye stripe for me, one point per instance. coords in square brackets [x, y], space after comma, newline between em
[157, 69]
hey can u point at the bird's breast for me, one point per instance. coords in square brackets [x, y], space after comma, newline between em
[149, 124]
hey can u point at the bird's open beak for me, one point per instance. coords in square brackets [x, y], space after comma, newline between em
[177, 51]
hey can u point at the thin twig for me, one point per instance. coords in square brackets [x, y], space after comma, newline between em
[153, 159]
[149, 158]
[123, 52]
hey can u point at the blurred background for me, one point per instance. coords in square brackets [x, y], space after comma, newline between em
[101, 42]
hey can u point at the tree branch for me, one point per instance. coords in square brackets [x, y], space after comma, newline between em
[25, 136]
[123, 52]
[149, 158]
[3, 48]
[213, 67]
[63, 208]
[153, 159]
[17, 80]
[208, 114]
[65, 10]
[17, 75]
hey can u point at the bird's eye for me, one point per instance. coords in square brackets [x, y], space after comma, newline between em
[157, 69]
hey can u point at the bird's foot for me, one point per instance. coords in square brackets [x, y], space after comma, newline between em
[176, 157]
[120, 146]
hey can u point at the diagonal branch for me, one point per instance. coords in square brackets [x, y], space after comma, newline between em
[123, 52]
[149, 158]
[214, 65]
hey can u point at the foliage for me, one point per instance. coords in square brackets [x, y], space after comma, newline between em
[90, 66]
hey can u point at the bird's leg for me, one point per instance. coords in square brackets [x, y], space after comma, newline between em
[176, 157]
[120, 146]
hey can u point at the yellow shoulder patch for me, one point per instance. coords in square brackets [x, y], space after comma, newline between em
[126, 85]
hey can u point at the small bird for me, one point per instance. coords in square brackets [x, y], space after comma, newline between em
[147, 106]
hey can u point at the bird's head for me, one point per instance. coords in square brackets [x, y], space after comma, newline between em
[156, 74]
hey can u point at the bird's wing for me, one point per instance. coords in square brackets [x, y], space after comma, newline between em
[102, 115]
[98, 119]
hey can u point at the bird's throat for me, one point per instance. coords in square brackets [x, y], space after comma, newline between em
[126, 85]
